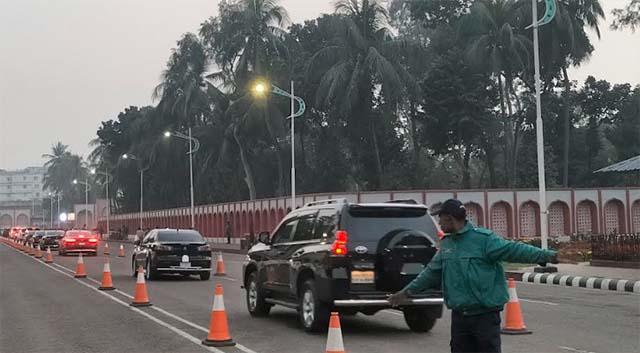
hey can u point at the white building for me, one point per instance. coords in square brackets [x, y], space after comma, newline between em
[21, 196]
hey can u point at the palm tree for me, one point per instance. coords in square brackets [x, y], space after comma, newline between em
[61, 168]
[565, 43]
[496, 45]
[246, 41]
[363, 57]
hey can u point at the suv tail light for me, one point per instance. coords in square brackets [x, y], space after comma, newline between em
[93, 240]
[70, 240]
[340, 244]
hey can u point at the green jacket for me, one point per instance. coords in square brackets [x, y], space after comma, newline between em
[468, 265]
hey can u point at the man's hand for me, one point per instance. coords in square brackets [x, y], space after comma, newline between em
[398, 298]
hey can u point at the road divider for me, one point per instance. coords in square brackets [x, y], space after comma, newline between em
[220, 266]
[80, 272]
[619, 285]
[140, 296]
[514, 323]
[219, 335]
[334, 337]
[107, 283]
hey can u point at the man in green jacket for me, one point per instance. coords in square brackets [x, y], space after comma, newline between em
[468, 268]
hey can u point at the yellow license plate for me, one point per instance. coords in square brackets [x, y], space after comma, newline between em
[362, 277]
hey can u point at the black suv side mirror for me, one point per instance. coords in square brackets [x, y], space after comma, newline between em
[263, 237]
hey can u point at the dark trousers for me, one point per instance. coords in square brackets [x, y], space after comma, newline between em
[475, 333]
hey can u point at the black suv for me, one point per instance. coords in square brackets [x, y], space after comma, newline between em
[333, 255]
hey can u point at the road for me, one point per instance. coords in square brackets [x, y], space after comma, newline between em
[44, 309]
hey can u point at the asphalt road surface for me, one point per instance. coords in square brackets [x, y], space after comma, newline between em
[44, 309]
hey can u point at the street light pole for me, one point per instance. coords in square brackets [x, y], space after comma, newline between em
[51, 214]
[293, 149]
[194, 146]
[141, 195]
[193, 221]
[261, 89]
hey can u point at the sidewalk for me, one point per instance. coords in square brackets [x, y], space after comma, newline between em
[585, 276]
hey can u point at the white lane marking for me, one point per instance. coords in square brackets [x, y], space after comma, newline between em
[538, 302]
[227, 278]
[574, 349]
[153, 318]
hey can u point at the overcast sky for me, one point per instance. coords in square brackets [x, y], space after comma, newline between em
[67, 65]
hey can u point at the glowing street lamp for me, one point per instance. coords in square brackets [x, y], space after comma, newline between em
[260, 89]
[141, 170]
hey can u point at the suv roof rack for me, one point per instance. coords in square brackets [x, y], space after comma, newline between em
[407, 201]
[326, 202]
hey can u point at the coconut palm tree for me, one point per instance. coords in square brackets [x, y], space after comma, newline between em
[364, 62]
[247, 41]
[565, 43]
[497, 45]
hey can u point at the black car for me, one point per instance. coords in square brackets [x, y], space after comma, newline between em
[51, 239]
[180, 251]
[334, 255]
[37, 235]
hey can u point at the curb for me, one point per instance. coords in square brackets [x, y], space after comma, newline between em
[619, 285]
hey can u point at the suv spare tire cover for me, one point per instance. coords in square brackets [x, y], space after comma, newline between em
[397, 248]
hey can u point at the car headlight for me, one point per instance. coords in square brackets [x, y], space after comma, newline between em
[204, 248]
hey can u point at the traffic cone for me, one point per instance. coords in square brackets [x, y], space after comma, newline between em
[334, 338]
[80, 273]
[106, 249]
[32, 250]
[107, 284]
[140, 297]
[514, 324]
[38, 253]
[121, 251]
[220, 266]
[218, 327]
[49, 258]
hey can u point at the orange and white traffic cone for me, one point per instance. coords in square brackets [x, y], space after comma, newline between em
[107, 283]
[106, 249]
[140, 297]
[80, 273]
[32, 250]
[38, 252]
[514, 323]
[334, 338]
[220, 266]
[121, 251]
[218, 326]
[49, 258]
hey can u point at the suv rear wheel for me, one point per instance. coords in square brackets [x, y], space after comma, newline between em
[256, 304]
[314, 315]
[420, 319]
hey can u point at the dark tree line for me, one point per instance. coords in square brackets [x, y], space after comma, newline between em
[422, 94]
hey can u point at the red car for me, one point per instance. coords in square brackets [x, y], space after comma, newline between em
[79, 241]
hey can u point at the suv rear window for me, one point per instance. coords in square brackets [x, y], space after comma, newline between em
[180, 236]
[373, 223]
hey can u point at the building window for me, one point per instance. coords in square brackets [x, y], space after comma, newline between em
[24, 186]
[37, 194]
[35, 178]
[24, 178]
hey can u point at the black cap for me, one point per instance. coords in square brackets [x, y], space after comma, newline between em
[451, 207]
